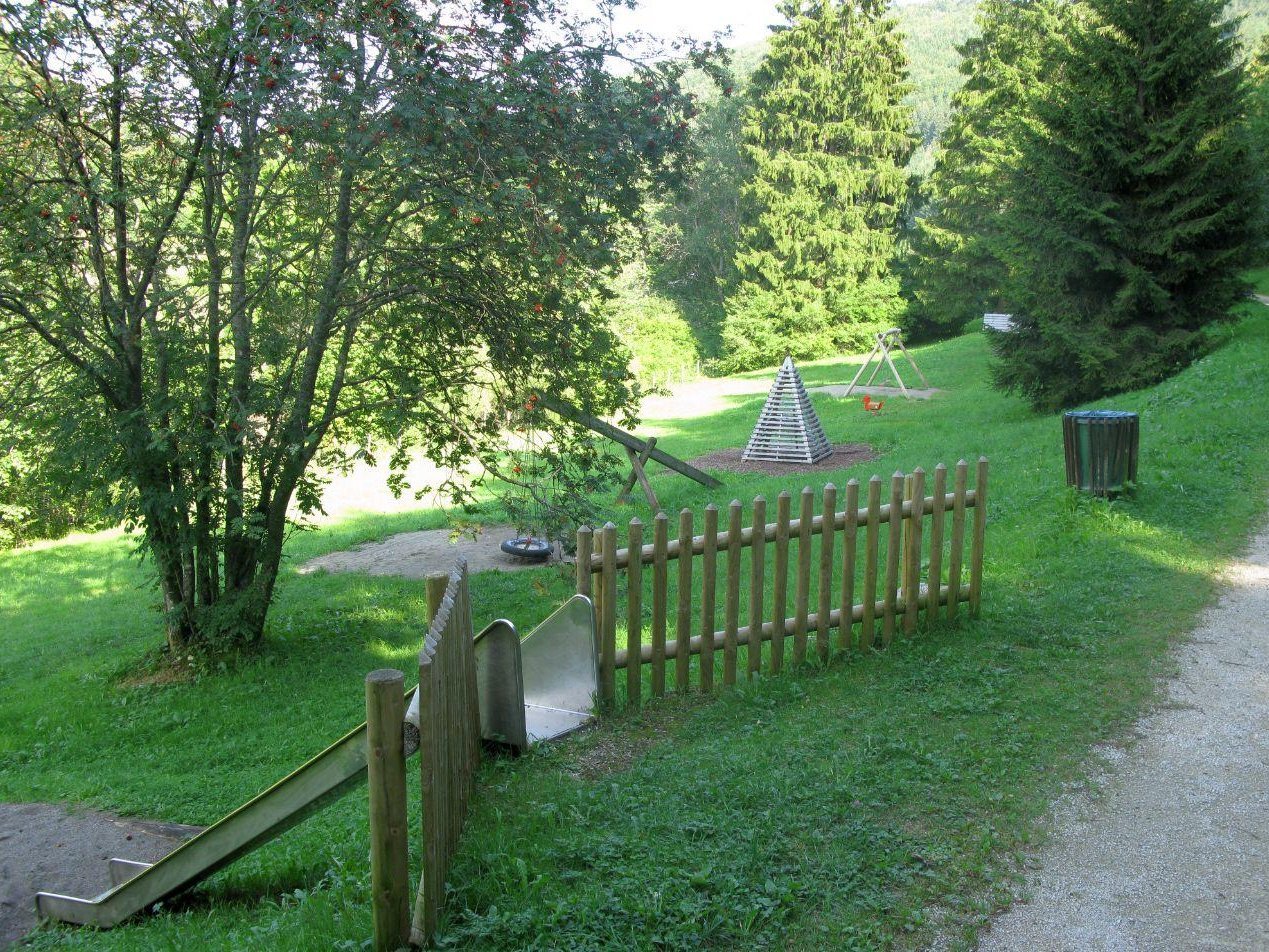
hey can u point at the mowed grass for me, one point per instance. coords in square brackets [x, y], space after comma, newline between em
[865, 804]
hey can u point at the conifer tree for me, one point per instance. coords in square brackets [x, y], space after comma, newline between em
[1128, 219]
[829, 136]
[955, 274]
[1258, 143]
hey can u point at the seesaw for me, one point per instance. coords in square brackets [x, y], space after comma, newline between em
[529, 691]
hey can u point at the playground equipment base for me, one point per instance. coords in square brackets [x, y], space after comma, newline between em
[528, 692]
[839, 390]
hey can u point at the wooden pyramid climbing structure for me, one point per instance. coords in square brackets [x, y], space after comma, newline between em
[788, 429]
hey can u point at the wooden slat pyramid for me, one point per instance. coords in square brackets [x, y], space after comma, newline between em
[788, 429]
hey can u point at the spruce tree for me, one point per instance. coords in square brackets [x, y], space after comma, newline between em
[1127, 223]
[829, 136]
[1258, 144]
[954, 272]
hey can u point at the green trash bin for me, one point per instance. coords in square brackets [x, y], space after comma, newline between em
[1101, 449]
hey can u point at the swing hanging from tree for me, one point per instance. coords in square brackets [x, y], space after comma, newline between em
[536, 481]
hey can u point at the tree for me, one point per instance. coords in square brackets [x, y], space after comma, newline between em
[956, 273]
[258, 236]
[829, 136]
[1258, 143]
[1127, 223]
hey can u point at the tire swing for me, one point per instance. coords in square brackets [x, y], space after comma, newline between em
[532, 544]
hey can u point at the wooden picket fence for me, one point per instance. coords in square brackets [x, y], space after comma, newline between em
[888, 579]
[449, 737]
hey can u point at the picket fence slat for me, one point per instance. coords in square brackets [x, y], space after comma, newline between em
[897, 580]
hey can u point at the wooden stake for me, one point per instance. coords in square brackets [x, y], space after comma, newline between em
[935, 581]
[389, 843]
[709, 580]
[912, 571]
[660, 599]
[958, 539]
[850, 545]
[825, 605]
[757, 577]
[780, 595]
[731, 607]
[683, 620]
[608, 619]
[802, 602]
[634, 614]
[867, 627]
[582, 567]
[893, 547]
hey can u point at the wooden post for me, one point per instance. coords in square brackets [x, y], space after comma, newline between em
[731, 609]
[634, 613]
[709, 579]
[427, 903]
[660, 599]
[958, 539]
[893, 546]
[780, 593]
[385, 771]
[912, 593]
[757, 578]
[582, 567]
[608, 618]
[850, 545]
[980, 536]
[828, 512]
[937, 520]
[907, 544]
[683, 618]
[867, 629]
[802, 601]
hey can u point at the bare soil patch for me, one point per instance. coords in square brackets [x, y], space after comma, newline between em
[729, 461]
[420, 554]
[52, 848]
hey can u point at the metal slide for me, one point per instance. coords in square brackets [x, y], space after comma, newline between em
[529, 693]
[318, 783]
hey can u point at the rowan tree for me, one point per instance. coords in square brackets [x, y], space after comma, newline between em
[243, 241]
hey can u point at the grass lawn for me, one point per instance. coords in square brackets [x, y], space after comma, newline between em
[861, 805]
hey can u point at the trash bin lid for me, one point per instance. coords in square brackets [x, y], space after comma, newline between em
[1100, 414]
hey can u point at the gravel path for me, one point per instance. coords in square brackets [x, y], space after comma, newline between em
[45, 846]
[1174, 855]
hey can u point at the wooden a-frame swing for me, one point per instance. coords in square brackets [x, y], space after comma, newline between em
[886, 341]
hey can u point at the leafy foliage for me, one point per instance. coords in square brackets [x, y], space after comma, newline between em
[1128, 208]
[829, 137]
[258, 237]
[1258, 142]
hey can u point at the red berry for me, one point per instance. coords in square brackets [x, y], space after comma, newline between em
[537, 308]
[44, 213]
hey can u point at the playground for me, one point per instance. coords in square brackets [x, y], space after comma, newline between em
[877, 800]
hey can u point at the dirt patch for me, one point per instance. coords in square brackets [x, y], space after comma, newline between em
[419, 554]
[50, 848]
[729, 461]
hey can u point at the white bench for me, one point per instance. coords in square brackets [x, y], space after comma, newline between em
[1001, 323]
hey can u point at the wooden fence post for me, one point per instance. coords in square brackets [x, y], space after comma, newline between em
[958, 539]
[980, 532]
[912, 587]
[608, 618]
[934, 586]
[634, 614]
[582, 567]
[731, 624]
[683, 617]
[893, 546]
[867, 629]
[709, 580]
[802, 601]
[780, 593]
[389, 846]
[850, 546]
[828, 514]
[757, 578]
[427, 904]
[660, 599]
